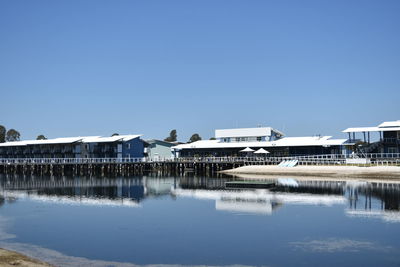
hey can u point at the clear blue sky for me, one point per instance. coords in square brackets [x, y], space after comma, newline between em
[94, 67]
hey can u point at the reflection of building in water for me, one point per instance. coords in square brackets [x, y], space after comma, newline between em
[89, 189]
[374, 200]
[388, 216]
[361, 195]
[201, 182]
[257, 201]
[160, 186]
[245, 205]
[70, 200]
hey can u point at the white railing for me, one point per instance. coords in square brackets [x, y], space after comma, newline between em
[28, 161]
[376, 158]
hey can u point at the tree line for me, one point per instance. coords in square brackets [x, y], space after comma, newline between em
[13, 135]
[173, 137]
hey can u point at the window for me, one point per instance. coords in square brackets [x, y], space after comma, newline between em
[128, 146]
[259, 138]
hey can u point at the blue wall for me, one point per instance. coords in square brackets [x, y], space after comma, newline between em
[136, 149]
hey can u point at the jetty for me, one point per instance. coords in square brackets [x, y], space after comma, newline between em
[130, 166]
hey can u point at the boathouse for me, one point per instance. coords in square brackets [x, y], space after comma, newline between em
[119, 146]
[388, 140]
[230, 142]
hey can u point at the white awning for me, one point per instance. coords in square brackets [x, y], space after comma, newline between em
[261, 151]
[247, 149]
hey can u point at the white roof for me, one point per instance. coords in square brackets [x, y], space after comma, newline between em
[98, 139]
[130, 137]
[361, 129]
[70, 140]
[371, 129]
[383, 127]
[15, 143]
[389, 124]
[63, 140]
[283, 142]
[245, 132]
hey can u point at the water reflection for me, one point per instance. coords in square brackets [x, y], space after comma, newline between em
[372, 199]
[88, 191]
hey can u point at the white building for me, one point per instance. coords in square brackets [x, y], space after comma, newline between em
[118, 146]
[229, 142]
[389, 136]
[247, 134]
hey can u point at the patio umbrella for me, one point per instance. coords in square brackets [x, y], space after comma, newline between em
[261, 151]
[247, 149]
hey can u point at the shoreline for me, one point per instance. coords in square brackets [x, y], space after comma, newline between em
[9, 258]
[386, 172]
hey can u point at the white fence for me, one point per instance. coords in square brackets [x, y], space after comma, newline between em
[66, 161]
[328, 159]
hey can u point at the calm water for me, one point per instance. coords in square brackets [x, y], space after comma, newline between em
[73, 221]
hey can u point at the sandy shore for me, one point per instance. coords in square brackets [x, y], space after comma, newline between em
[11, 259]
[388, 172]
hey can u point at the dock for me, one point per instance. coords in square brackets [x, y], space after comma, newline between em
[198, 165]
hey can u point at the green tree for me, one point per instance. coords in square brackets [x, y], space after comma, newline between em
[172, 136]
[41, 137]
[12, 135]
[114, 134]
[213, 138]
[2, 134]
[195, 137]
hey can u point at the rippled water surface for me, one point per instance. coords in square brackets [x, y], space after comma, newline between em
[188, 220]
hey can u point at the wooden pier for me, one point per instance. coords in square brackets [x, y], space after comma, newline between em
[115, 166]
[131, 166]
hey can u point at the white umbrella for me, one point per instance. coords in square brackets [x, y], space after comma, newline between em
[247, 149]
[261, 151]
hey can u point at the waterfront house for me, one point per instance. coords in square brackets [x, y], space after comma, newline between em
[120, 146]
[158, 150]
[229, 142]
[389, 137]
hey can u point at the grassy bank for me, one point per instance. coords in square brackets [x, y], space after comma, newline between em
[11, 259]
